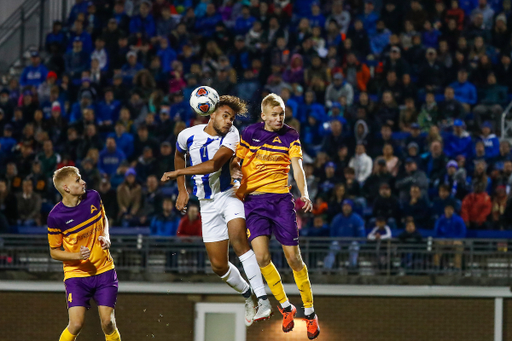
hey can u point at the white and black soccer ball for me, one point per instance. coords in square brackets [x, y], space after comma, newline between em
[203, 100]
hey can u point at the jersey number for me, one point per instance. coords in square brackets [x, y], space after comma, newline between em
[203, 152]
[70, 299]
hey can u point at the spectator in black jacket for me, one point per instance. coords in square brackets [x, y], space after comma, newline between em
[417, 207]
[387, 205]
[432, 73]
[379, 176]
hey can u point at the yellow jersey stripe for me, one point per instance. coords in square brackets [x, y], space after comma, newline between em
[84, 223]
[53, 230]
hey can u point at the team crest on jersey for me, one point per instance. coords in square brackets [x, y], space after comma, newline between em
[277, 140]
[204, 107]
[93, 208]
[201, 92]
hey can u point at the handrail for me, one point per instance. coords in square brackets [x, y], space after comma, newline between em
[504, 126]
[14, 20]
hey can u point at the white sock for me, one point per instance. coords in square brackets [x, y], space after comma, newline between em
[253, 272]
[309, 311]
[235, 280]
[286, 304]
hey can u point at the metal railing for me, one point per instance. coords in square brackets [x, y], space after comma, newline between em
[506, 123]
[469, 258]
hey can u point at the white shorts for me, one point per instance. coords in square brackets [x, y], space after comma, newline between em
[217, 212]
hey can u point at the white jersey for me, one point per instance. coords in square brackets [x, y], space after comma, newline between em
[202, 147]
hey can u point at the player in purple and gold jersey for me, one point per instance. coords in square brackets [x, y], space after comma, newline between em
[267, 149]
[78, 236]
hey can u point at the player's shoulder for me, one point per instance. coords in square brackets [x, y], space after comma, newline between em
[191, 131]
[251, 129]
[54, 214]
[93, 194]
[289, 134]
[233, 130]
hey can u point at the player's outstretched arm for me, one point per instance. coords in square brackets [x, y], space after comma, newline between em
[64, 256]
[182, 200]
[300, 177]
[236, 168]
[220, 158]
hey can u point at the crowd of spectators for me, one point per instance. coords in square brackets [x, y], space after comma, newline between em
[398, 104]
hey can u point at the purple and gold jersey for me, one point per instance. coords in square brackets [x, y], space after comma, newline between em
[72, 227]
[267, 156]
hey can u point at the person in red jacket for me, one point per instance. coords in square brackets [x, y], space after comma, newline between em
[190, 225]
[476, 207]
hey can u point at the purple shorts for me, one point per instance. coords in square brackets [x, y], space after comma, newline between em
[271, 213]
[101, 288]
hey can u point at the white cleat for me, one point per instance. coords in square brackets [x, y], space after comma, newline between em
[250, 311]
[264, 310]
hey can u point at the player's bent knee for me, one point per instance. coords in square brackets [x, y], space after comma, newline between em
[263, 259]
[108, 325]
[75, 327]
[219, 268]
[295, 262]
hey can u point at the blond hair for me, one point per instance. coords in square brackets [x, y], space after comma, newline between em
[238, 105]
[62, 174]
[272, 100]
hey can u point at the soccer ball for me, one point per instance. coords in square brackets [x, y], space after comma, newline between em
[203, 100]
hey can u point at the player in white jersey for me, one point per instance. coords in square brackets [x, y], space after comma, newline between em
[210, 148]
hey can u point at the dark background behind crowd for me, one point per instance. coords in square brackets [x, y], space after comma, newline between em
[398, 104]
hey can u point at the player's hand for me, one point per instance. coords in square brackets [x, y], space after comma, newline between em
[84, 252]
[308, 205]
[104, 242]
[168, 176]
[182, 201]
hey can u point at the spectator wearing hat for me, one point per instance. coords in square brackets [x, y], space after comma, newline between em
[459, 142]
[129, 195]
[85, 101]
[339, 88]
[465, 92]
[34, 74]
[445, 198]
[412, 176]
[43, 90]
[450, 227]
[416, 137]
[379, 176]
[362, 164]
[493, 98]
[345, 224]
[76, 60]
[455, 180]
[77, 31]
[110, 158]
[476, 207]
[396, 63]
[490, 141]
[381, 231]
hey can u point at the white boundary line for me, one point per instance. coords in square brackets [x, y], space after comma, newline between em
[319, 289]
[498, 319]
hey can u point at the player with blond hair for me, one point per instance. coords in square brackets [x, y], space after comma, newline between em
[78, 234]
[210, 148]
[267, 149]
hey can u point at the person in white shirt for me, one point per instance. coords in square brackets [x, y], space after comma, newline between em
[381, 231]
[210, 147]
[361, 163]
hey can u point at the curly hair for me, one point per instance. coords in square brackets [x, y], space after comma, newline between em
[238, 105]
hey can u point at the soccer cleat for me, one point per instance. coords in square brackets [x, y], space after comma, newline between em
[264, 310]
[288, 316]
[313, 327]
[250, 311]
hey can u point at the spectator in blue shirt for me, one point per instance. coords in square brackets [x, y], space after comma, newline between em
[143, 25]
[205, 26]
[124, 140]
[77, 60]
[346, 224]
[7, 142]
[77, 109]
[56, 36]
[380, 39]
[450, 226]
[244, 23]
[166, 223]
[110, 158]
[34, 74]
[465, 92]
[167, 55]
[130, 69]
[491, 142]
[108, 110]
[78, 31]
[369, 18]
[80, 6]
[459, 142]
[315, 17]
